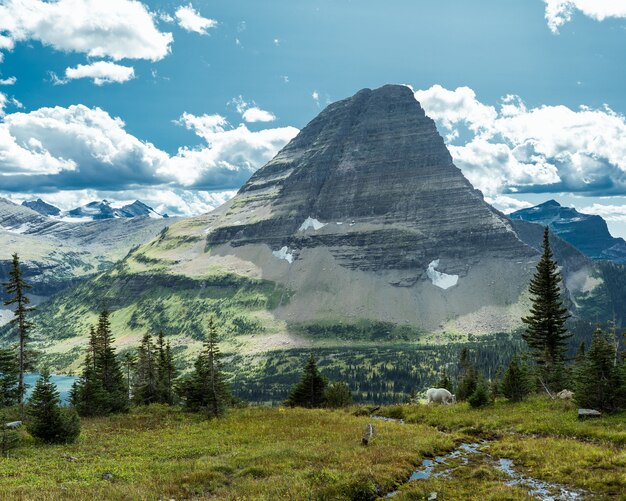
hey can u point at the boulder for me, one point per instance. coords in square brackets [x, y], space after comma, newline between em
[588, 413]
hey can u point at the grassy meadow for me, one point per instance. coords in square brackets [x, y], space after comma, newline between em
[276, 453]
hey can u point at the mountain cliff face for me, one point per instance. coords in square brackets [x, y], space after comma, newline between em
[361, 228]
[588, 233]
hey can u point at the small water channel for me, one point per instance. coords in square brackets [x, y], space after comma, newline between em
[444, 466]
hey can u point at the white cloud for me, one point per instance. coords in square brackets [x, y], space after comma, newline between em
[559, 12]
[250, 112]
[101, 72]
[517, 149]
[608, 212]
[8, 81]
[189, 19]
[77, 148]
[316, 97]
[507, 204]
[232, 155]
[116, 28]
[256, 114]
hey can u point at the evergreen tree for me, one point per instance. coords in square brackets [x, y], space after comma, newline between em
[88, 396]
[166, 371]
[546, 334]
[495, 386]
[145, 390]
[467, 383]
[206, 387]
[516, 383]
[337, 394]
[309, 391]
[444, 381]
[129, 362]
[47, 420]
[9, 378]
[17, 287]
[480, 396]
[599, 380]
[109, 367]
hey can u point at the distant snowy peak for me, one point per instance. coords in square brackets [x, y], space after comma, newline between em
[104, 210]
[44, 208]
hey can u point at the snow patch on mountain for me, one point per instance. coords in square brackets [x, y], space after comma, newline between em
[441, 280]
[284, 253]
[310, 222]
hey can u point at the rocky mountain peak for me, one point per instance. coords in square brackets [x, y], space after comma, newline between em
[42, 207]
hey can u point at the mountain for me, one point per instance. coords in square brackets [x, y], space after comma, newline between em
[56, 254]
[42, 207]
[361, 234]
[104, 210]
[588, 233]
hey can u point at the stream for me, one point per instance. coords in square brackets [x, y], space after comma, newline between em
[439, 467]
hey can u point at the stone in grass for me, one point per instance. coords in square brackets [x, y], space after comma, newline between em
[588, 413]
[107, 476]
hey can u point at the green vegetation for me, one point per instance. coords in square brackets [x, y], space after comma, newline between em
[47, 420]
[546, 332]
[160, 452]
[309, 391]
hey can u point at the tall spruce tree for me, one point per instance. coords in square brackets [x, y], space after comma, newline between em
[546, 333]
[47, 420]
[599, 379]
[17, 287]
[88, 396]
[109, 367]
[206, 387]
[129, 361]
[9, 378]
[166, 371]
[146, 387]
[309, 391]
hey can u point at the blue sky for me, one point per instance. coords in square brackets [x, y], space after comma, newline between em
[177, 103]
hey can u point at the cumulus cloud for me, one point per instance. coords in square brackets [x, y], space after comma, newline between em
[79, 148]
[250, 112]
[189, 19]
[513, 148]
[8, 81]
[116, 28]
[559, 12]
[608, 212]
[231, 155]
[101, 72]
[507, 204]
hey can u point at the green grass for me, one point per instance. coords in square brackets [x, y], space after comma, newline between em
[253, 453]
[276, 453]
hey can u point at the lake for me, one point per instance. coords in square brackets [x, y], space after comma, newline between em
[63, 384]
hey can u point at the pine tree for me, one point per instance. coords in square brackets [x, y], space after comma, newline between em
[516, 383]
[47, 421]
[309, 391]
[495, 385]
[109, 367]
[480, 395]
[145, 390]
[206, 387]
[546, 334]
[444, 381]
[9, 378]
[88, 396]
[129, 361]
[166, 371]
[599, 380]
[17, 287]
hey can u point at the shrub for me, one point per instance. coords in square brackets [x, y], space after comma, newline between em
[480, 396]
[337, 395]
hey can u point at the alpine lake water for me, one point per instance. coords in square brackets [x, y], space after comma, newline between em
[63, 384]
